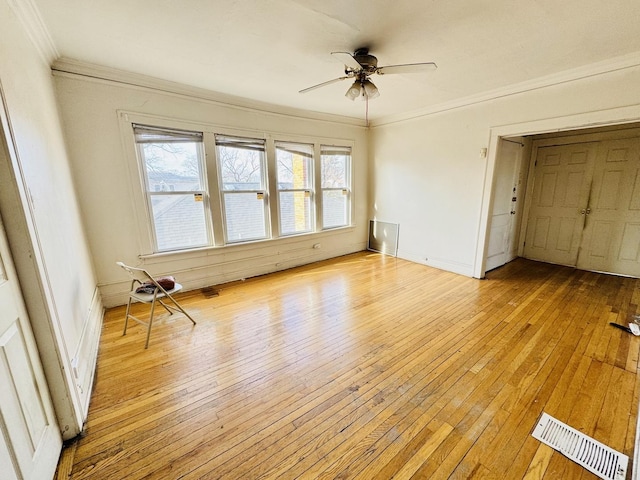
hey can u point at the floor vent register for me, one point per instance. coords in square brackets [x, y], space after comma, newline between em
[582, 449]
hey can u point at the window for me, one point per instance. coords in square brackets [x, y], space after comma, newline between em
[335, 182]
[172, 163]
[294, 164]
[241, 189]
[242, 182]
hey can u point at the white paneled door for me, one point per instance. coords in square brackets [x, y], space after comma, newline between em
[503, 233]
[562, 181]
[611, 239]
[30, 441]
[585, 210]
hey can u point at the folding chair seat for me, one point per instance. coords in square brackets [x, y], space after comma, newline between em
[153, 293]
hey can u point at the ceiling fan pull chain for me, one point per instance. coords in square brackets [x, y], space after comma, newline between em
[366, 111]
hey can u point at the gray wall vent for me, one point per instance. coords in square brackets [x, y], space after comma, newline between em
[383, 237]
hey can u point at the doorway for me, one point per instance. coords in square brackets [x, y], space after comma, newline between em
[585, 202]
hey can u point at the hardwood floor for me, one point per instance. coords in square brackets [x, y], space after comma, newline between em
[367, 367]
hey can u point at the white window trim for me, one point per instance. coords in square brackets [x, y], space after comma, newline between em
[148, 194]
[349, 187]
[310, 190]
[140, 210]
[264, 191]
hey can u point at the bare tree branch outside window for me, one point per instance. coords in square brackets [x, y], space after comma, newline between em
[240, 166]
[177, 158]
[172, 166]
[333, 171]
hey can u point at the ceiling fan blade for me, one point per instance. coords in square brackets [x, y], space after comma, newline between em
[329, 82]
[347, 59]
[407, 68]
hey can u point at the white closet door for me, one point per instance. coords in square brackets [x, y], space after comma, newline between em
[30, 438]
[562, 181]
[611, 241]
[503, 235]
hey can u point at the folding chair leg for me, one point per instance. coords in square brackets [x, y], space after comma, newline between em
[179, 307]
[153, 306]
[126, 317]
[165, 306]
[186, 314]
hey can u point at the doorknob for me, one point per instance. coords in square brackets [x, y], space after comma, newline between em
[588, 211]
[583, 211]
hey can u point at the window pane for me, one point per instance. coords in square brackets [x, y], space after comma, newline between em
[335, 168]
[172, 166]
[294, 166]
[244, 215]
[295, 212]
[334, 209]
[179, 221]
[241, 168]
[334, 171]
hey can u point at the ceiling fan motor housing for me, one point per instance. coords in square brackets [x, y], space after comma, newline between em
[368, 62]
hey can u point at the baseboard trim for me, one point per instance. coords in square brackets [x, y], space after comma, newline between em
[85, 358]
[116, 293]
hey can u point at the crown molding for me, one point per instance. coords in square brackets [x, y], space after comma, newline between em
[610, 65]
[76, 68]
[31, 20]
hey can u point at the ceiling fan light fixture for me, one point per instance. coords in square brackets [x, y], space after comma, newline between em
[354, 90]
[360, 65]
[370, 90]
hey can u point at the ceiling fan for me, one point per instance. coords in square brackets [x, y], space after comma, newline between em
[360, 66]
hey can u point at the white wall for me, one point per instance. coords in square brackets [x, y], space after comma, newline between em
[427, 173]
[44, 225]
[108, 184]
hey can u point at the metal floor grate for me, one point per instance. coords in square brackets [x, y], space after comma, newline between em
[582, 449]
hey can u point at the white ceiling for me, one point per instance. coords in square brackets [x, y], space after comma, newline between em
[267, 50]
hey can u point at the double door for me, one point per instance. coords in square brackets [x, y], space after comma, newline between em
[585, 208]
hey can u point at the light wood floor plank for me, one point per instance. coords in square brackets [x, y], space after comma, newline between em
[366, 367]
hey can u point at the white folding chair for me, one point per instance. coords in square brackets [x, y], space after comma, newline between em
[139, 277]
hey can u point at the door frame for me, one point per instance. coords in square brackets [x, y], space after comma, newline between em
[611, 117]
[28, 259]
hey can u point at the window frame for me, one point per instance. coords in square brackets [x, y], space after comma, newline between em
[140, 221]
[264, 190]
[309, 189]
[149, 194]
[346, 189]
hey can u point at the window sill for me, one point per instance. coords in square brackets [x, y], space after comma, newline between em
[151, 258]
